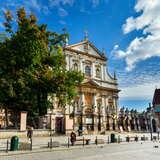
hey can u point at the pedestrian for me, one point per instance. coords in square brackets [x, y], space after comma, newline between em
[73, 138]
[30, 133]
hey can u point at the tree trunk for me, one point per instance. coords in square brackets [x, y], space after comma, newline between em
[16, 120]
[6, 117]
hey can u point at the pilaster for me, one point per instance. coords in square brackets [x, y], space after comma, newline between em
[93, 70]
[95, 102]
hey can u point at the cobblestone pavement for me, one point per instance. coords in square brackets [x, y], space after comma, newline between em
[124, 151]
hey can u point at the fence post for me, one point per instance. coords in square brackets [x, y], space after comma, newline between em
[7, 145]
[119, 139]
[68, 142]
[50, 143]
[83, 141]
[108, 139]
[96, 140]
[31, 145]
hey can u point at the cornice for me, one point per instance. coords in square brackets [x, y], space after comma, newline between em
[85, 53]
[99, 88]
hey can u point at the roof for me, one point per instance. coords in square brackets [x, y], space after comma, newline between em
[100, 54]
[156, 97]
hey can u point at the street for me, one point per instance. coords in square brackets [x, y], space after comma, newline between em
[124, 151]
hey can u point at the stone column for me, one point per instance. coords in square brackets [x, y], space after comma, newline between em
[124, 123]
[110, 123]
[93, 70]
[129, 124]
[95, 112]
[103, 106]
[104, 72]
[82, 101]
[53, 123]
[81, 65]
[134, 122]
[67, 61]
[95, 102]
[146, 124]
[103, 113]
[71, 61]
[95, 124]
[139, 127]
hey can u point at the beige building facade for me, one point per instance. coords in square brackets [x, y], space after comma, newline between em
[95, 108]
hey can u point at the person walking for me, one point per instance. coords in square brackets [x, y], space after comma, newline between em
[73, 138]
[30, 133]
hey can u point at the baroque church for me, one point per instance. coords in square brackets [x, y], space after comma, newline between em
[95, 108]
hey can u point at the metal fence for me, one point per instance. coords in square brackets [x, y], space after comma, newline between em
[83, 141]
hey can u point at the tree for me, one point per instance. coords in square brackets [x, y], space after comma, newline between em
[33, 66]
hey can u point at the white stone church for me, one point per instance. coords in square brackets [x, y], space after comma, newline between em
[96, 105]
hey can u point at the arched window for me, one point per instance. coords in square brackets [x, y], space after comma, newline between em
[75, 66]
[88, 71]
[98, 73]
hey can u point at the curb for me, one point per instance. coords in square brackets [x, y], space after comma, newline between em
[49, 150]
[12, 153]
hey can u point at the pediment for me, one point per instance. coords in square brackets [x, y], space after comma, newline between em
[90, 83]
[87, 47]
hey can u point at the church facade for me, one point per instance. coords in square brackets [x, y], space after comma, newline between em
[95, 108]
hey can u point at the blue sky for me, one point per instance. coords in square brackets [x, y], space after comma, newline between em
[128, 30]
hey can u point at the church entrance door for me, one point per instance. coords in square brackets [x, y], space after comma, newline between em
[59, 126]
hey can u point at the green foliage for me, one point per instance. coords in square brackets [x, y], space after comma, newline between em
[33, 66]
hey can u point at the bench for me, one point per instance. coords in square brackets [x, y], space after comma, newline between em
[86, 140]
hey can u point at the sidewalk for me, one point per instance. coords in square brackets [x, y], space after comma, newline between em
[12, 153]
[40, 144]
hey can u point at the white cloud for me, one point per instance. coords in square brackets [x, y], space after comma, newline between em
[146, 46]
[141, 91]
[60, 5]
[62, 22]
[62, 12]
[61, 2]
[46, 10]
[30, 5]
[95, 3]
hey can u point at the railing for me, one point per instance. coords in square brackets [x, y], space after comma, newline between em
[52, 143]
